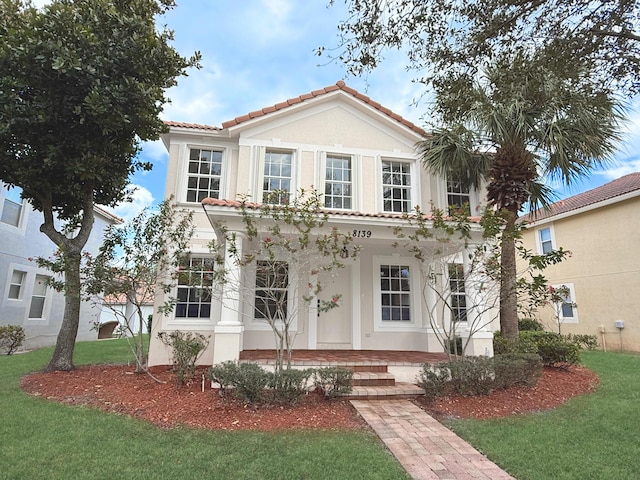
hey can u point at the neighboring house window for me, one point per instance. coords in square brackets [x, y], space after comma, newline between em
[458, 195]
[277, 177]
[38, 297]
[545, 240]
[205, 174]
[395, 293]
[194, 288]
[337, 186]
[16, 284]
[458, 294]
[12, 207]
[396, 186]
[566, 309]
[272, 281]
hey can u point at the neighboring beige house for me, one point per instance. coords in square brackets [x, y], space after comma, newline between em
[601, 229]
[362, 157]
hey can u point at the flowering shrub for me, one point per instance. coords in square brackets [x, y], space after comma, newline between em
[11, 338]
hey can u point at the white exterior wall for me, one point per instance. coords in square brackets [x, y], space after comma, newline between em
[333, 124]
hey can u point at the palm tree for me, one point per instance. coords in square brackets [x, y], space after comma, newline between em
[510, 130]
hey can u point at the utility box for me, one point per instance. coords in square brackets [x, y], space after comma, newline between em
[620, 324]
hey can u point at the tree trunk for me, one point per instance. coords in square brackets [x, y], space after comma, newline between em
[508, 277]
[62, 358]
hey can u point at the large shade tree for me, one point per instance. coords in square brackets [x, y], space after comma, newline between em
[82, 82]
[443, 36]
[510, 128]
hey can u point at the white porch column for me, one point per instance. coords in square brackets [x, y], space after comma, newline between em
[227, 342]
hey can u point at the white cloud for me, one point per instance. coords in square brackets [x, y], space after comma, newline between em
[141, 198]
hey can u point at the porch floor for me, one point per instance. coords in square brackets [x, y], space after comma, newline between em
[348, 357]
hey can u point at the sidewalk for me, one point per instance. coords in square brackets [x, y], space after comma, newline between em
[425, 447]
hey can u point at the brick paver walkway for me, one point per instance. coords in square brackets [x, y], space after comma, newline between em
[425, 447]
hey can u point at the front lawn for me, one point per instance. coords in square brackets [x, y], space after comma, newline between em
[43, 439]
[596, 436]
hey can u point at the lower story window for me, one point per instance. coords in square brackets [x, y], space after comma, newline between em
[38, 297]
[272, 281]
[395, 293]
[194, 288]
[458, 294]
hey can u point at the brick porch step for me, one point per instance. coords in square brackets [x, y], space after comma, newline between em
[373, 379]
[397, 391]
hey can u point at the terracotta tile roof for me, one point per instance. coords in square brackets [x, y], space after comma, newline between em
[340, 85]
[195, 126]
[214, 202]
[616, 188]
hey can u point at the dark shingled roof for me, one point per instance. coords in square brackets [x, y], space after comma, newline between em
[302, 98]
[616, 188]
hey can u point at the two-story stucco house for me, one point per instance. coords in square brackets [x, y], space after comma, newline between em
[361, 157]
[26, 300]
[600, 229]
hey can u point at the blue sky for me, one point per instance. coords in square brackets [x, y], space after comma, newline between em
[256, 53]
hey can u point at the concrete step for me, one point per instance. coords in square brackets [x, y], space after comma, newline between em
[373, 379]
[397, 391]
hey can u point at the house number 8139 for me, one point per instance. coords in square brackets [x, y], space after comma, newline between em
[362, 233]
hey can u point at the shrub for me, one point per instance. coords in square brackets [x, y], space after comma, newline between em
[289, 386]
[586, 342]
[224, 374]
[516, 369]
[472, 376]
[333, 381]
[558, 352]
[502, 345]
[186, 348]
[530, 325]
[251, 379]
[434, 380]
[11, 338]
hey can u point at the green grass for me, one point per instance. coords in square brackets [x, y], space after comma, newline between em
[595, 436]
[42, 439]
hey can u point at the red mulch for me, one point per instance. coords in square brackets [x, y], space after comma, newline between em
[115, 388]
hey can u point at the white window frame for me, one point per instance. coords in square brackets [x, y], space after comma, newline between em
[323, 181]
[415, 324]
[222, 178]
[21, 286]
[188, 288]
[414, 194]
[455, 293]
[462, 195]
[46, 303]
[540, 243]
[260, 166]
[572, 299]
[256, 324]
[22, 220]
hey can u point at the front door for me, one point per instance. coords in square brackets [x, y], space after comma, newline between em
[335, 326]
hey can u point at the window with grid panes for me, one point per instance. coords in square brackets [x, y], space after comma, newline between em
[395, 291]
[195, 281]
[457, 194]
[205, 174]
[277, 177]
[458, 294]
[272, 281]
[396, 186]
[337, 185]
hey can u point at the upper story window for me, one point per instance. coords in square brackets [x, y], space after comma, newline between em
[458, 293]
[271, 296]
[16, 284]
[458, 194]
[338, 190]
[276, 181]
[545, 240]
[396, 186]
[205, 174]
[12, 207]
[38, 297]
[194, 288]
